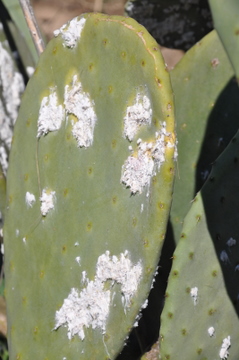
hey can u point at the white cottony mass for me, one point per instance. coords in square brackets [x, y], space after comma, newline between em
[90, 307]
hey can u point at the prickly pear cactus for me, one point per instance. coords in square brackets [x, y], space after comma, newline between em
[89, 190]
[200, 317]
[202, 134]
[225, 17]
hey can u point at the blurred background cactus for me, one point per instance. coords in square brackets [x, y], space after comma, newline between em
[192, 309]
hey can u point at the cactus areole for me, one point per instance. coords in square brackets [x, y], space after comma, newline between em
[89, 190]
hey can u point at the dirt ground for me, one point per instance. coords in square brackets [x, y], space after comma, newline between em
[52, 14]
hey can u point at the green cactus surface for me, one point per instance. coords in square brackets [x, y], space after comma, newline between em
[89, 190]
[200, 317]
[226, 22]
[207, 118]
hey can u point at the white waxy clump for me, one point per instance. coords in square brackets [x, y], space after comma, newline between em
[91, 306]
[47, 201]
[30, 70]
[224, 353]
[211, 331]
[121, 271]
[224, 257]
[231, 242]
[78, 103]
[138, 114]
[71, 32]
[78, 259]
[30, 199]
[237, 267]
[51, 115]
[137, 171]
[139, 168]
[12, 87]
[194, 294]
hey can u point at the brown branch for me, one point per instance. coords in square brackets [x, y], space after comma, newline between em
[32, 25]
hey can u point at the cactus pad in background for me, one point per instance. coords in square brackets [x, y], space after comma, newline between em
[200, 317]
[206, 120]
[91, 173]
[226, 22]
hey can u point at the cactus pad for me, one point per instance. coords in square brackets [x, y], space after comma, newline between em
[200, 317]
[89, 190]
[206, 120]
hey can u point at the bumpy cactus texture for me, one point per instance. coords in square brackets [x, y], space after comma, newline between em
[226, 22]
[207, 118]
[200, 318]
[89, 191]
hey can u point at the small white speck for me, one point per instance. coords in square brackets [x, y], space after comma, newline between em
[237, 268]
[145, 304]
[17, 232]
[224, 353]
[224, 257]
[142, 208]
[76, 243]
[71, 32]
[130, 148]
[78, 259]
[231, 242]
[2, 249]
[139, 141]
[30, 70]
[24, 240]
[211, 331]
[84, 278]
[47, 201]
[30, 199]
[194, 294]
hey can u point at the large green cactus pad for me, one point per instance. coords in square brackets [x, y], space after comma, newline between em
[207, 118]
[200, 317]
[89, 190]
